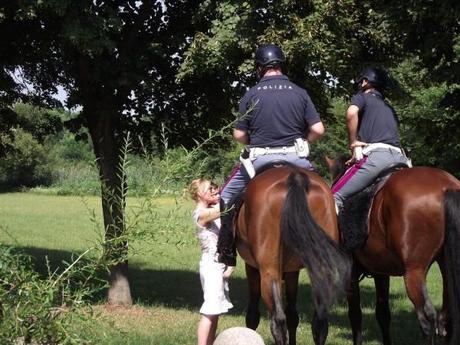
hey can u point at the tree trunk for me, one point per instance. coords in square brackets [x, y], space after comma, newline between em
[119, 292]
[107, 147]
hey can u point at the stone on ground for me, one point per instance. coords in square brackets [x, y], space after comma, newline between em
[239, 336]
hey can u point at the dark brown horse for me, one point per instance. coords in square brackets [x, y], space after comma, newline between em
[288, 221]
[414, 221]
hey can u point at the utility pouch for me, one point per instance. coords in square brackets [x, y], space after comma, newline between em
[302, 148]
[246, 161]
[358, 150]
[406, 153]
[245, 152]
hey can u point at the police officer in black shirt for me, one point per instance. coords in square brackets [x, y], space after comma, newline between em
[372, 135]
[278, 120]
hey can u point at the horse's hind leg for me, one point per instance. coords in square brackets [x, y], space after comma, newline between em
[319, 325]
[382, 309]
[443, 317]
[292, 317]
[415, 281]
[271, 294]
[253, 313]
[354, 306]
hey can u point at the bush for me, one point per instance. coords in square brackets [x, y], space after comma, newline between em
[43, 310]
[170, 174]
[40, 122]
[26, 162]
[215, 164]
[69, 149]
[77, 178]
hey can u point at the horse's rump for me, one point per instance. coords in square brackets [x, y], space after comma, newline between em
[264, 197]
[405, 223]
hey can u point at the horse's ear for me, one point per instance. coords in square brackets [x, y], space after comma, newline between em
[329, 162]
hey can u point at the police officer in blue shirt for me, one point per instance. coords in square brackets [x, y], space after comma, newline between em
[372, 135]
[278, 120]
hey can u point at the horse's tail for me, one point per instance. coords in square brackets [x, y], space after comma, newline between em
[328, 267]
[452, 260]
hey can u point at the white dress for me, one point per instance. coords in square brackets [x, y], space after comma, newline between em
[215, 287]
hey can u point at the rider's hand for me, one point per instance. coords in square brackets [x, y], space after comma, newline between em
[354, 144]
[357, 143]
[352, 160]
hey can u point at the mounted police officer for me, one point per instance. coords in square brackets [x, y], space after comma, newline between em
[278, 120]
[372, 136]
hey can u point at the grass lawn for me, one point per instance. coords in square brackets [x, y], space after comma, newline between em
[164, 279]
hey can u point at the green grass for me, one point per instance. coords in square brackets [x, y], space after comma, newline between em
[164, 278]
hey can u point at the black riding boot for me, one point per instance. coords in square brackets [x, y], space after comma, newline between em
[226, 244]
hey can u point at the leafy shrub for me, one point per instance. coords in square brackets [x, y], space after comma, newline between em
[26, 162]
[39, 122]
[43, 310]
[77, 178]
[68, 148]
[169, 175]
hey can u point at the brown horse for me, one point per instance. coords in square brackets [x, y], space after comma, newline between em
[414, 221]
[288, 221]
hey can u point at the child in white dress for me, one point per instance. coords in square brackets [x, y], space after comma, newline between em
[213, 275]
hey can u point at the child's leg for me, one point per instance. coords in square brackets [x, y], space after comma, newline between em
[207, 329]
[212, 332]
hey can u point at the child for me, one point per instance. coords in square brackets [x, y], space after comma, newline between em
[213, 275]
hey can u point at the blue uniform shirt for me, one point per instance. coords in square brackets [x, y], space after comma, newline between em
[377, 119]
[280, 112]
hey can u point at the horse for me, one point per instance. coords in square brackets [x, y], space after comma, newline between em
[287, 221]
[413, 221]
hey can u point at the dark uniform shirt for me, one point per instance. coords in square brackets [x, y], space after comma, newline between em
[280, 112]
[377, 119]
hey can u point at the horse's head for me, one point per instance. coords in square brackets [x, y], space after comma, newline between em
[337, 166]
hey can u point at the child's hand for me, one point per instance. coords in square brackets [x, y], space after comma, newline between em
[228, 271]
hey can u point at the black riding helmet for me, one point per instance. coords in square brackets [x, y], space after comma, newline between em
[269, 55]
[377, 77]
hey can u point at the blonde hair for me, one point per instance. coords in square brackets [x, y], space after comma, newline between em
[197, 186]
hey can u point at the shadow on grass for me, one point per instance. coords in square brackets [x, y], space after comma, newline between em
[181, 289]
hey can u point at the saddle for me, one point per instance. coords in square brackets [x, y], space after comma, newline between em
[354, 217]
[274, 164]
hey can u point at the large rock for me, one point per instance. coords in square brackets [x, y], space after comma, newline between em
[239, 336]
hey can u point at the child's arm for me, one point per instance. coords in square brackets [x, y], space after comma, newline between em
[228, 271]
[208, 214]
